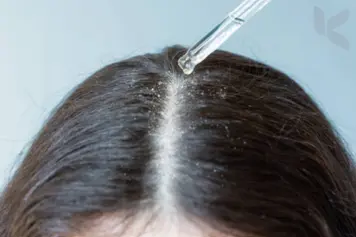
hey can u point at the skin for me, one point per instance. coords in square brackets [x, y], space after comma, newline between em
[168, 226]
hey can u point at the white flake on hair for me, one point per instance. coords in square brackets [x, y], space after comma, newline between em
[167, 138]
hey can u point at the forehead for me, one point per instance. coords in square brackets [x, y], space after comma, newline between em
[169, 226]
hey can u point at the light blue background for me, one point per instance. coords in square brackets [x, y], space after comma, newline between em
[47, 47]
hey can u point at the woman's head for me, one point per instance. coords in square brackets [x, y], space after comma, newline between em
[235, 149]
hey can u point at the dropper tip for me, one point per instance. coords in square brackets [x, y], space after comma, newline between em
[186, 64]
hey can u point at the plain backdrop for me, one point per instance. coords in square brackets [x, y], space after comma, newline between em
[48, 47]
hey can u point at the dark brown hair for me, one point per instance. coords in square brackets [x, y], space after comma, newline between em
[237, 145]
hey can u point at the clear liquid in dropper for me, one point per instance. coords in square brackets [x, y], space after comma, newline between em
[213, 40]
